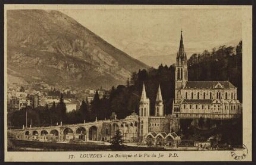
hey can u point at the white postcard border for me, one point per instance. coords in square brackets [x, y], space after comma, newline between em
[84, 156]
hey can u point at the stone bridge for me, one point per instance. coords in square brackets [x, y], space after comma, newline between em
[101, 130]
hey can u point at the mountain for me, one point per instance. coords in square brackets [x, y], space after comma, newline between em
[52, 48]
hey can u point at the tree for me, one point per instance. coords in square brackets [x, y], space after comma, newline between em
[95, 107]
[117, 140]
[84, 111]
[105, 108]
[61, 109]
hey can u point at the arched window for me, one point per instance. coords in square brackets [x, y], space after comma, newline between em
[231, 95]
[226, 95]
[197, 95]
[191, 95]
[178, 74]
[145, 112]
[204, 95]
[210, 95]
[181, 75]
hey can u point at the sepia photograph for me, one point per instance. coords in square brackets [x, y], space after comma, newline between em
[128, 83]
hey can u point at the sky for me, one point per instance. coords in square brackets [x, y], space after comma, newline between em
[155, 31]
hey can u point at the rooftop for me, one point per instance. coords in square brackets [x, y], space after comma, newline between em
[208, 85]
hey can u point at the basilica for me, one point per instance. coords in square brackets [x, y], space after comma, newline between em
[215, 100]
[207, 99]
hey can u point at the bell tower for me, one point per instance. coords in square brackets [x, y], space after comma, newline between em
[181, 76]
[181, 70]
[144, 113]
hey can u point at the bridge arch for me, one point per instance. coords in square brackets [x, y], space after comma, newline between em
[81, 133]
[80, 130]
[54, 132]
[93, 133]
[149, 135]
[44, 132]
[150, 140]
[27, 133]
[159, 139]
[169, 140]
[35, 133]
[68, 134]
[67, 130]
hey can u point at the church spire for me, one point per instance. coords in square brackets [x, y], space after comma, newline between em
[181, 49]
[181, 40]
[181, 53]
[143, 94]
[159, 107]
[159, 94]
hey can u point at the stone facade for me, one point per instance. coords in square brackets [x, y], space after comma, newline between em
[155, 129]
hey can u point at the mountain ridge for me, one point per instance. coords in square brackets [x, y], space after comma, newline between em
[41, 42]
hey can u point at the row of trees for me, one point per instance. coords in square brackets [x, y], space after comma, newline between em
[39, 116]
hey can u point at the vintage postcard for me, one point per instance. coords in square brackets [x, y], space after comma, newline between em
[88, 83]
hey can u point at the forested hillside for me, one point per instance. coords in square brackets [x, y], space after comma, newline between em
[224, 63]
